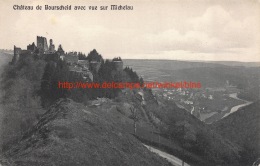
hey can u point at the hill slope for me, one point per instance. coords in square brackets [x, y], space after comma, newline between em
[71, 134]
[242, 127]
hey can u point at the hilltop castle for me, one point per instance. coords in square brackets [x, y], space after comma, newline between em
[84, 67]
[41, 48]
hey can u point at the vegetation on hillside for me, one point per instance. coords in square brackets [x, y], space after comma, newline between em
[21, 103]
[191, 134]
[31, 85]
[117, 59]
[70, 133]
[243, 131]
[92, 56]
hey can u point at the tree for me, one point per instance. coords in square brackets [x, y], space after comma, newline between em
[141, 81]
[46, 79]
[132, 75]
[117, 59]
[54, 73]
[135, 116]
[94, 56]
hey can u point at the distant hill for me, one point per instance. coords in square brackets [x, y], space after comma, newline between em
[71, 134]
[166, 64]
[242, 127]
[179, 64]
[209, 74]
[5, 57]
[217, 76]
[234, 63]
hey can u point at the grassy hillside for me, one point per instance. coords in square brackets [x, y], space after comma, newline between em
[5, 58]
[242, 127]
[192, 134]
[72, 134]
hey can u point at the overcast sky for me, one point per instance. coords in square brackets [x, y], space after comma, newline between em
[182, 30]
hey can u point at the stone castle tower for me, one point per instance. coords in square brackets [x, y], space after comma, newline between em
[118, 65]
[51, 47]
[17, 52]
[42, 44]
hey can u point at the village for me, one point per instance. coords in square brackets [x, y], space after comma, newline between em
[202, 103]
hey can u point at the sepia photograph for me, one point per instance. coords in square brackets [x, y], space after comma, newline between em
[130, 83]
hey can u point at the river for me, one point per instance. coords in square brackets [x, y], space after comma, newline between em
[235, 108]
[172, 159]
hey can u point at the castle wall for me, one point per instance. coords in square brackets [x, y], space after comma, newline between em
[84, 63]
[17, 50]
[31, 47]
[19, 54]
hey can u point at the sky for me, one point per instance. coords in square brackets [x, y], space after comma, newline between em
[210, 30]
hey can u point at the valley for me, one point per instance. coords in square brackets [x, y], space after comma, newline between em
[181, 124]
[214, 100]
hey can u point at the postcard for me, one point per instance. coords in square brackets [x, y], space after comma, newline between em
[127, 82]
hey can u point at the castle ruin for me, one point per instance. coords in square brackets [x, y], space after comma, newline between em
[31, 47]
[83, 67]
[40, 48]
[51, 47]
[16, 56]
[42, 44]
